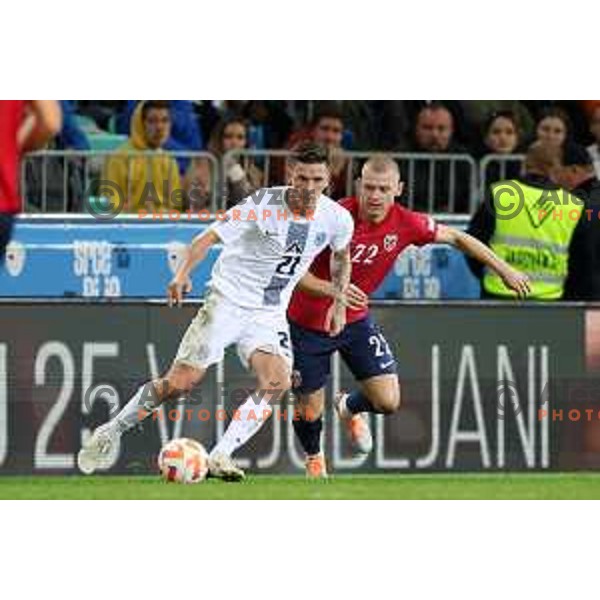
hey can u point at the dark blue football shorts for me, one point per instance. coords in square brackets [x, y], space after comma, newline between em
[361, 345]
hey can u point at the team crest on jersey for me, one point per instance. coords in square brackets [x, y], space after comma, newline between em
[294, 248]
[390, 241]
[320, 238]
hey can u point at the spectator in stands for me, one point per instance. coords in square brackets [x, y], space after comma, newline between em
[394, 124]
[554, 127]
[434, 129]
[186, 134]
[501, 135]
[440, 185]
[362, 124]
[594, 149]
[475, 115]
[208, 114]
[578, 175]
[327, 129]
[71, 137]
[519, 223]
[105, 113]
[572, 109]
[147, 181]
[269, 123]
[185, 131]
[242, 176]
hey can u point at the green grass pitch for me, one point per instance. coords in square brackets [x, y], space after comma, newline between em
[389, 486]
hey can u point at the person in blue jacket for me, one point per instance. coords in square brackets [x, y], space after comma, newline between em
[71, 136]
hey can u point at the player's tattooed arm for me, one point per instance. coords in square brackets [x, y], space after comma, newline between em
[181, 283]
[513, 279]
[340, 280]
[353, 297]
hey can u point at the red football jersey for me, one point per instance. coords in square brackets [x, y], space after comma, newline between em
[11, 117]
[374, 248]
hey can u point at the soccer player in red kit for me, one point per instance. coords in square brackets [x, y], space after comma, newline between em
[24, 126]
[382, 230]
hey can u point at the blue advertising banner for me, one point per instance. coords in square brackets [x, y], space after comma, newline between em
[134, 258]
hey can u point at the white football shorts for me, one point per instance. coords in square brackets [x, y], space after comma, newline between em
[220, 323]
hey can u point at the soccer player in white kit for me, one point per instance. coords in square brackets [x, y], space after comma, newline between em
[269, 242]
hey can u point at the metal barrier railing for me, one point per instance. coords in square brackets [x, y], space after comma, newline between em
[497, 167]
[55, 181]
[64, 180]
[435, 182]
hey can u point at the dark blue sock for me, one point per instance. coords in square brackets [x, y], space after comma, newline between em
[309, 434]
[357, 402]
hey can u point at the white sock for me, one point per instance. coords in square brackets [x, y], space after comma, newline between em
[140, 406]
[343, 409]
[248, 419]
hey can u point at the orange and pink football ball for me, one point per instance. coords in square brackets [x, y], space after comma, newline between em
[183, 461]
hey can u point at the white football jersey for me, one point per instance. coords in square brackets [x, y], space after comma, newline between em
[267, 249]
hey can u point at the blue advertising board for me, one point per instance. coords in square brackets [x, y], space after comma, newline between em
[133, 258]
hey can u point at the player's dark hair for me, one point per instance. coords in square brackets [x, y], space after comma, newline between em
[309, 153]
[154, 104]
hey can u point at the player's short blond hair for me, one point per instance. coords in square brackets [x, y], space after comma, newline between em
[380, 163]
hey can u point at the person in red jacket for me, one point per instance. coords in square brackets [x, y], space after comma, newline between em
[382, 229]
[24, 126]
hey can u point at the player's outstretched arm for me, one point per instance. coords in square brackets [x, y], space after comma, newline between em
[181, 283]
[40, 126]
[513, 279]
[353, 297]
[340, 279]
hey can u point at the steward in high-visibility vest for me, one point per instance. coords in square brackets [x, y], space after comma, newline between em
[530, 223]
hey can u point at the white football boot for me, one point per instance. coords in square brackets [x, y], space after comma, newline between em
[96, 451]
[223, 467]
[357, 426]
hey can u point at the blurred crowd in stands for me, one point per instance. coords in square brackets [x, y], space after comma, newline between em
[174, 129]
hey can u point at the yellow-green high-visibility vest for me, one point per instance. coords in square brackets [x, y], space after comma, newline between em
[535, 238]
